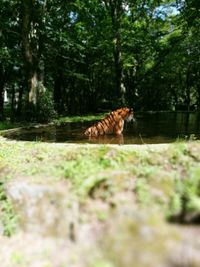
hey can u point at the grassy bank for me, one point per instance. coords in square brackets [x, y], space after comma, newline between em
[106, 188]
[158, 173]
[7, 124]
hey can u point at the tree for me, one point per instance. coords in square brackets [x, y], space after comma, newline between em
[32, 15]
[85, 56]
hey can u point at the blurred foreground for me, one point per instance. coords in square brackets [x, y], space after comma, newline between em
[99, 206]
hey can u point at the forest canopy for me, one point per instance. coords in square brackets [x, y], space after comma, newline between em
[82, 56]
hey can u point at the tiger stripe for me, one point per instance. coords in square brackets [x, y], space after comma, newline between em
[111, 124]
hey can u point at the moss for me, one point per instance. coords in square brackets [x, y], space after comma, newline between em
[156, 176]
[143, 240]
[8, 216]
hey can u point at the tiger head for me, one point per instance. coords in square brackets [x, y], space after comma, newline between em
[126, 113]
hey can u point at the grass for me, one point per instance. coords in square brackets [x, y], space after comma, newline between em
[8, 216]
[67, 119]
[9, 125]
[160, 177]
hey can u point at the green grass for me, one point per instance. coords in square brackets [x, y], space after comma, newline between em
[8, 216]
[9, 125]
[160, 177]
[84, 118]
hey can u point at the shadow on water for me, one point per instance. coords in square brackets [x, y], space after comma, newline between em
[149, 128]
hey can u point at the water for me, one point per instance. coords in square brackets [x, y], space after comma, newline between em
[149, 128]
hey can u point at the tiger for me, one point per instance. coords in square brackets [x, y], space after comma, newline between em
[113, 123]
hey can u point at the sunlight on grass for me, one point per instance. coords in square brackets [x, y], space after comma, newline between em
[64, 120]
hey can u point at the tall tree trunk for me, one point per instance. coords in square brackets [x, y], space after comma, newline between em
[188, 86]
[58, 101]
[1, 102]
[198, 97]
[13, 110]
[31, 51]
[116, 12]
[27, 48]
[197, 82]
[2, 83]
[19, 103]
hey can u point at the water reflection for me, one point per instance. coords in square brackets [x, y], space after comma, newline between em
[149, 128]
[107, 139]
[174, 124]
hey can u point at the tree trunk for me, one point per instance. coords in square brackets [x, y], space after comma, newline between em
[19, 103]
[187, 99]
[116, 11]
[13, 103]
[198, 97]
[1, 102]
[58, 102]
[2, 83]
[31, 52]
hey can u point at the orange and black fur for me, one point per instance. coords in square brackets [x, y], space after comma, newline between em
[112, 123]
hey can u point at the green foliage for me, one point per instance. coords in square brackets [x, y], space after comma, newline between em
[45, 107]
[43, 111]
[142, 192]
[76, 170]
[8, 217]
[94, 55]
[185, 202]
[9, 125]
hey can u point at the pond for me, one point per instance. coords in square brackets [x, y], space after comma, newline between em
[148, 128]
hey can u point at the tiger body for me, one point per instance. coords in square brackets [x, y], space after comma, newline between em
[111, 124]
